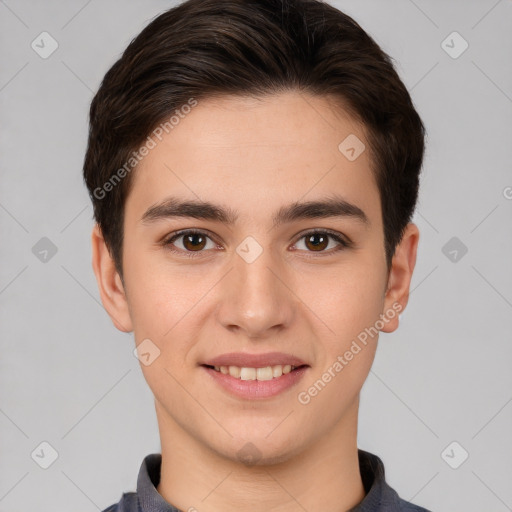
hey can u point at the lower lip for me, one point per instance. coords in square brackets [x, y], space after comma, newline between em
[253, 389]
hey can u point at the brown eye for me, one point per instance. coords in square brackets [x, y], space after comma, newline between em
[322, 242]
[194, 242]
[189, 243]
[317, 241]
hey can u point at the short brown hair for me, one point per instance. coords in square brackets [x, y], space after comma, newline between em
[205, 48]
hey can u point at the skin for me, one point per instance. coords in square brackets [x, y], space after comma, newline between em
[255, 156]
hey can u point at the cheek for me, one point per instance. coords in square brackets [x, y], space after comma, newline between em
[159, 299]
[346, 311]
[346, 300]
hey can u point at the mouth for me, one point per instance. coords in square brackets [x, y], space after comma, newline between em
[260, 374]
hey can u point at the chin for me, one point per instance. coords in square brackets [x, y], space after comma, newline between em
[260, 449]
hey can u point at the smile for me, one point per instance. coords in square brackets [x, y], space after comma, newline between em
[256, 383]
[265, 373]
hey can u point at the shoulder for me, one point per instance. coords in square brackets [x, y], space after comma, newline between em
[127, 503]
[392, 502]
[380, 497]
[405, 506]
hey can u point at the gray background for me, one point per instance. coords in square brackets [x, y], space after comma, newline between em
[69, 378]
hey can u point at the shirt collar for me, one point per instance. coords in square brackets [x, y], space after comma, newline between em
[150, 500]
[379, 496]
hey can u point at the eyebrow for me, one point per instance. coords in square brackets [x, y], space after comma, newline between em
[333, 206]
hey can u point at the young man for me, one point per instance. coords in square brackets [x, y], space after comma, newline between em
[254, 167]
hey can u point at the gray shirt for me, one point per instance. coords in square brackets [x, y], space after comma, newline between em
[379, 496]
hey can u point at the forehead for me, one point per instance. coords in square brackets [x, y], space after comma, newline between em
[254, 154]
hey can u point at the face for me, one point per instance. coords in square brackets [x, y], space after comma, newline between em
[278, 259]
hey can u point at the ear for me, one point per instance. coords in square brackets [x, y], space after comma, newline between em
[110, 285]
[400, 275]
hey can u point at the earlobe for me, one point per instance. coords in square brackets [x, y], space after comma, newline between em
[400, 275]
[110, 286]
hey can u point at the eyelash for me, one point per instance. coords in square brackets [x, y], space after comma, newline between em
[343, 243]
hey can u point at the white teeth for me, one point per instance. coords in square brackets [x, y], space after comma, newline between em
[234, 371]
[248, 373]
[245, 373]
[264, 373]
[277, 371]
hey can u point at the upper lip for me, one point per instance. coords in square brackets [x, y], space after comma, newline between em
[244, 360]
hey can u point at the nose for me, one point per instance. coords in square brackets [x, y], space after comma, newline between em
[257, 298]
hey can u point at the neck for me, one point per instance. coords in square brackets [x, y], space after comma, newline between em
[325, 476]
